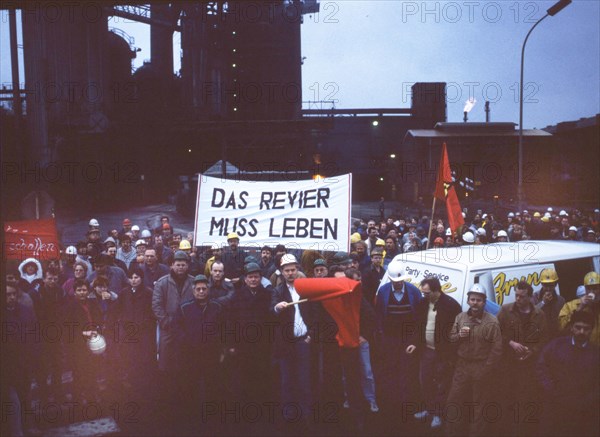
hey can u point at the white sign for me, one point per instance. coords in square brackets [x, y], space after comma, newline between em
[307, 214]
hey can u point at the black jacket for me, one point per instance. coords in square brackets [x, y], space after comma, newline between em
[284, 334]
[447, 309]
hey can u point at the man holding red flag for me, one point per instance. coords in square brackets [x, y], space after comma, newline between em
[293, 343]
[444, 190]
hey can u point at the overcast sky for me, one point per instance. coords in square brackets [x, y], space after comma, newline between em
[367, 54]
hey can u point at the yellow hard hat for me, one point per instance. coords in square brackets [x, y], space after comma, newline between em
[355, 238]
[232, 236]
[537, 214]
[548, 276]
[545, 219]
[185, 245]
[379, 242]
[592, 278]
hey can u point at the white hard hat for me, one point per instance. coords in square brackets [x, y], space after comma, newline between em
[448, 232]
[597, 210]
[395, 272]
[215, 246]
[477, 288]
[464, 215]
[563, 212]
[71, 250]
[581, 291]
[135, 228]
[547, 215]
[484, 216]
[481, 231]
[549, 209]
[94, 222]
[146, 234]
[97, 344]
[502, 233]
[140, 243]
[573, 228]
[525, 211]
[288, 258]
[511, 214]
[468, 237]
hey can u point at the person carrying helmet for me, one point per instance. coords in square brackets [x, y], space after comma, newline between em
[590, 303]
[479, 339]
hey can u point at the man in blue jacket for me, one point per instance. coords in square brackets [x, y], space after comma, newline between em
[395, 309]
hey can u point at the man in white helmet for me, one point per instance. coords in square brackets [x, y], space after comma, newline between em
[479, 339]
[395, 311]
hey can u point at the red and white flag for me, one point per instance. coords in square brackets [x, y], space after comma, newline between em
[31, 239]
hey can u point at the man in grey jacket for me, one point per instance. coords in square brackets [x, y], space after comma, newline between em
[170, 292]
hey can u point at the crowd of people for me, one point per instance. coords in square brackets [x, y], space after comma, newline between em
[216, 328]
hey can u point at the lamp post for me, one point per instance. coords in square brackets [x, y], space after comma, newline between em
[555, 9]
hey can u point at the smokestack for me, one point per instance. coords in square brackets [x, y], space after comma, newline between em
[465, 117]
[487, 111]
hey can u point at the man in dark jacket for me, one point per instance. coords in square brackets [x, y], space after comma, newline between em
[137, 331]
[250, 318]
[372, 275]
[567, 370]
[295, 333]
[524, 334]
[434, 318]
[202, 321]
[49, 304]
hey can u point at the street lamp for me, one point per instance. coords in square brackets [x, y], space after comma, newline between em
[550, 12]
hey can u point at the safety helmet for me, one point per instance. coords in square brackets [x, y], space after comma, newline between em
[502, 234]
[537, 214]
[97, 344]
[140, 242]
[481, 231]
[185, 245]
[355, 238]
[135, 228]
[94, 222]
[448, 232]
[592, 278]
[288, 258]
[71, 250]
[146, 234]
[511, 214]
[396, 273]
[563, 213]
[379, 242]
[468, 237]
[477, 288]
[232, 236]
[548, 276]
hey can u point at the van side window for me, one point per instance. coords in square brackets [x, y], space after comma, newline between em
[570, 275]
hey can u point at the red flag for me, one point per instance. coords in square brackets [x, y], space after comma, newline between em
[444, 190]
[31, 239]
[317, 289]
[341, 297]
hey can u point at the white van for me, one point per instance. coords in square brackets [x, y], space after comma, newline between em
[500, 266]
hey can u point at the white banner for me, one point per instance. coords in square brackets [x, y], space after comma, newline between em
[307, 214]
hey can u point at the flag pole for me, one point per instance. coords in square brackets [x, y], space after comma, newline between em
[430, 223]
